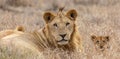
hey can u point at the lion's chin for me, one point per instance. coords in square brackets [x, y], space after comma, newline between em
[62, 43]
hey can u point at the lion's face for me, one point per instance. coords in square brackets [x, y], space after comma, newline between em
[100, 41]
[61, 26]
[61, 29]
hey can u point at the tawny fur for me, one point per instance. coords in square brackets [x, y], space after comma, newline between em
[5, 33]
[43, 38]
[100, 42]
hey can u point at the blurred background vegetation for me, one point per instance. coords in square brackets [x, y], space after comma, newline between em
[98, 17]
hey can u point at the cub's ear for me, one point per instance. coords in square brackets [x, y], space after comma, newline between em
[72, 14]
[93, 37]
[107, 38]
[48, 17]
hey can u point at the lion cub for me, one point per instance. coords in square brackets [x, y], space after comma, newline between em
[18, 29]
[100, 42]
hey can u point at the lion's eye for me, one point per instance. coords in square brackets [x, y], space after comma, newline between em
[67, 24]
[55, 25]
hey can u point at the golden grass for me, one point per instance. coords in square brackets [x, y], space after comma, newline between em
[98, 18]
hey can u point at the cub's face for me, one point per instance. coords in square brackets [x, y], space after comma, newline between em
[100, 41]
[61, 26]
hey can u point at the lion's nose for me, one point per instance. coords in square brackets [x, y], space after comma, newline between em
[62, 35]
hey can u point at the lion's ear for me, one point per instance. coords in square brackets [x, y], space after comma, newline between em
[72, 14]
[107, 38]
[48, 17]
[20, 28]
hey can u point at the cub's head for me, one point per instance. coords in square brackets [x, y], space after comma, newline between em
[100, 41]
[61, 25]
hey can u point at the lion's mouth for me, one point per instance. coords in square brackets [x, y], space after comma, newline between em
[63, 40]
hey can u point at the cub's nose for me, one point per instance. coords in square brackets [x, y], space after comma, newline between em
[101, 47]
[62, 35]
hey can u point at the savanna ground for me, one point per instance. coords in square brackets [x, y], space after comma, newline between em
[95, 17]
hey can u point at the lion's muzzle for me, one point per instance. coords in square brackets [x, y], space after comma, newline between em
[63, 35]
[62, 42]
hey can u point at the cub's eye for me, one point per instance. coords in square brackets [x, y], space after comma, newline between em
[97, 41]
[67, 24]
[55, 25]
[103, 41]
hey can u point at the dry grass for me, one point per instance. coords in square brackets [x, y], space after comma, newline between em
[95, 17]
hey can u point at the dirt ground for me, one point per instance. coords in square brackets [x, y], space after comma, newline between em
[100, 18]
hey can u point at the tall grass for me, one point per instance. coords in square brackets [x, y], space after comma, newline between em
[94, 17]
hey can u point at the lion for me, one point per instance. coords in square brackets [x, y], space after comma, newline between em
[101, 42]
[18, 29]
[60, 32]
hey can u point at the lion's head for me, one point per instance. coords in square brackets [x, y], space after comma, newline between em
[61, 25]
[100, 41]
